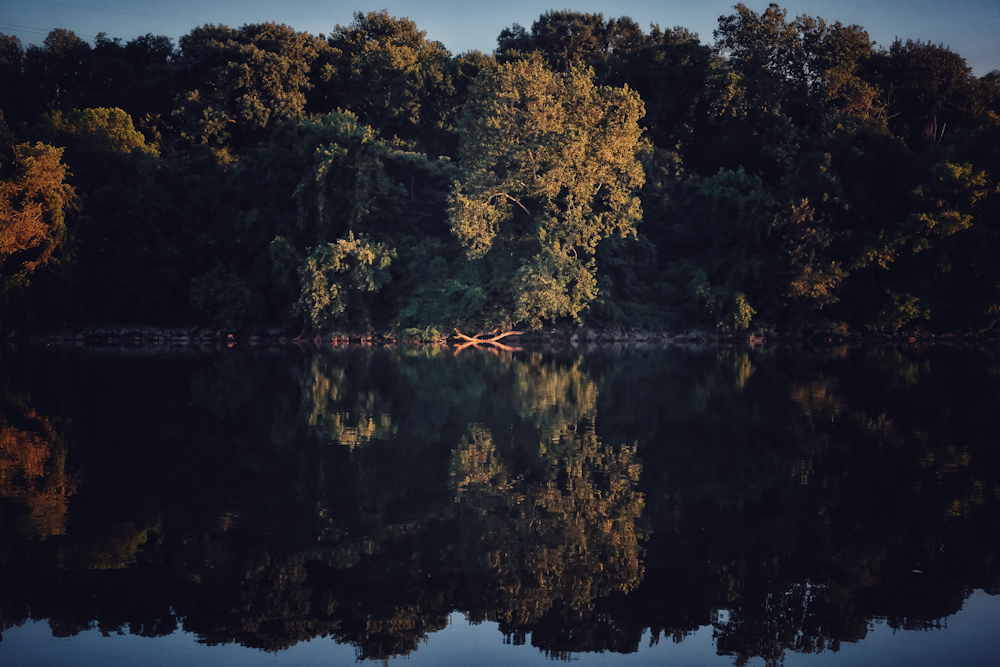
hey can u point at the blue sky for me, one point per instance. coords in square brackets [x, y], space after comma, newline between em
[969, 27]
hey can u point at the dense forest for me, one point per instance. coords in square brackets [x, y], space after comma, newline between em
[793, 177]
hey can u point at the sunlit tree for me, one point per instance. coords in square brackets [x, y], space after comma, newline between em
[34, 200]
[550, 167]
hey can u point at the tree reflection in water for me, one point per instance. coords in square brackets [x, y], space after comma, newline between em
[270, 496]
[33, 476]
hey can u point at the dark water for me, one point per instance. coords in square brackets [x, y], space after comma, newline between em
[708, 506]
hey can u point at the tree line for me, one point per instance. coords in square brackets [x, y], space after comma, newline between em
[791, 177]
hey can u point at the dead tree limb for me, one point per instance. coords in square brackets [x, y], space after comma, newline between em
[476, 340]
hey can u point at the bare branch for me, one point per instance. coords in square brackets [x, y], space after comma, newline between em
[476, 340]
[516, 201]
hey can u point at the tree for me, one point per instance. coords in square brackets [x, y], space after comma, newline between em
[138, 77]
[668, 69]
[717, 251]
[58, 70]
[930, 88]
[11, 55]
[320, 186]
[335, 278]
[16, 103]
[243, 81]
[112, 128]
[799, 63]
[129, 256]
[550, 167]
[567, 37]
[564, 37]
[387, 72]
[765, 49]
[34, 200]
[836, 58]
[815, 277]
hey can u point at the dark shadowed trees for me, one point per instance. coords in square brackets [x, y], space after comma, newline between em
[241, 83]
[386, 71]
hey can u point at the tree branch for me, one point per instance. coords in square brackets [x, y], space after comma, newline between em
[523, 208]
[476, 340]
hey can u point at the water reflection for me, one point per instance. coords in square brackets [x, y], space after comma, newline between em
[33, 475]
[560, 527]
[786, 499]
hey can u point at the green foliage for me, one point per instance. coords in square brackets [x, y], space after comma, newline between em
[550, 165]
[17, 103]
[951, 195]
[225, 297]
[815, 277]
[932, 90]
[669, 69]
[720, 307]
[742, 313]
[133, 262]
[766, 49]
[566, 38]
[839, 56]
[321, 178]
[426, 335]
[111, 126]
[630, 292]
[792, 166]
[787, 64]
[387, 72]
[716, 239]
[440, 294]
[338, 175]
[243, 81]
[55, 71]
[335, 279]
[345, 177]
[551, 285]
[898, 311]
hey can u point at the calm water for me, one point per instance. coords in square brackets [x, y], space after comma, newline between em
[692, 507]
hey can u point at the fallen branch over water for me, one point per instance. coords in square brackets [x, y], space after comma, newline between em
[477, 340]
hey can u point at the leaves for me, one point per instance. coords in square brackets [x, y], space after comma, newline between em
[33, 206]
[387, 72]
[550, 167]
[335, 277]
[112, 126]
[256, 76]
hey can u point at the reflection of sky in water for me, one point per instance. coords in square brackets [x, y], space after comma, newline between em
[971, 638]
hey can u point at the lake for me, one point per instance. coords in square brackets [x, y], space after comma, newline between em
[692, 506]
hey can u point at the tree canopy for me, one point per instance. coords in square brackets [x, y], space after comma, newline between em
[790, 177]
[550, 167]
[34, 201]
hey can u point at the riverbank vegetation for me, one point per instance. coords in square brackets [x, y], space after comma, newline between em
[791, 177]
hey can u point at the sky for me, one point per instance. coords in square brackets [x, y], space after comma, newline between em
[970, 28]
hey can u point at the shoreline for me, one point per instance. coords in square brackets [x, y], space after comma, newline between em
[149, 336]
